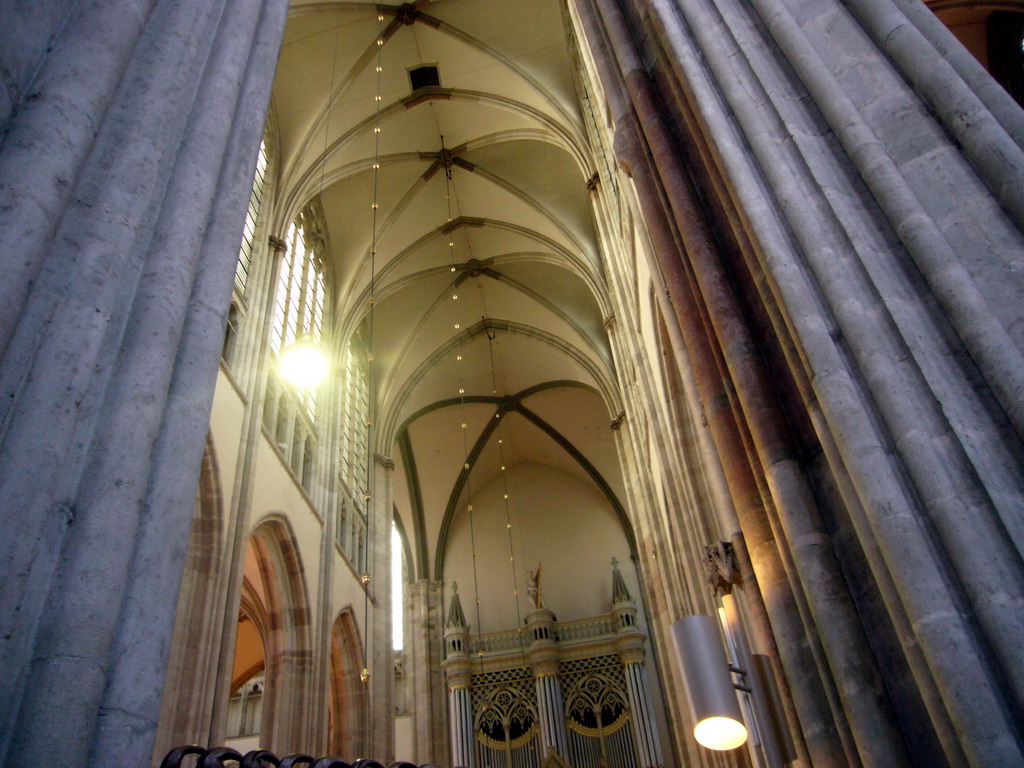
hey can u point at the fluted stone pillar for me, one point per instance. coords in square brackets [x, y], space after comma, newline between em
[230, 585]
[543, 659]
[836, 278]
[124, 174]
[422, 667]
[381, 736]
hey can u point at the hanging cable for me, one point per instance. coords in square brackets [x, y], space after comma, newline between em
[368, 493]
[446, 164]
[450, 193]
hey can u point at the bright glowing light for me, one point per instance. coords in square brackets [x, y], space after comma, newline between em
[720, 733]
[303, 364]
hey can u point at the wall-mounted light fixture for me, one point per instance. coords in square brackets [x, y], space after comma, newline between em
[712, 696]
[709, 688]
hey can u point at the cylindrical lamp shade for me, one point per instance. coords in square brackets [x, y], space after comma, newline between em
[709, 688]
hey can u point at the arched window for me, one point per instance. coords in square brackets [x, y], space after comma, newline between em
[299, 306]
[230, 334]
[270, 403]
[251, 217]
[298, 440]
[283, 423]
[299, 302]
[356, 410]
[307, 462]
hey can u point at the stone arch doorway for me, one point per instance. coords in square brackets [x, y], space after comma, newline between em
[346, 706]
[275, 601]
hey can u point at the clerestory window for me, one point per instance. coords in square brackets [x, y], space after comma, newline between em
[251, 217]
[299, 302]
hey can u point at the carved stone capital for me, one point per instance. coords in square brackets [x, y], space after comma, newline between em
[277, 243]
[384, 461]
[721, 568]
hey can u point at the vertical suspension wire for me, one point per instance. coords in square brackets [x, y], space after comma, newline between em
[449, 184]
[505, 492]
[450, 192]
[368, 493]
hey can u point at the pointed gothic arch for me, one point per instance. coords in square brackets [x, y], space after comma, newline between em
[347, 704]
[286, 636]
[192, 667]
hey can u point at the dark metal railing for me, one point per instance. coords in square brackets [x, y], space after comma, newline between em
[223, 757]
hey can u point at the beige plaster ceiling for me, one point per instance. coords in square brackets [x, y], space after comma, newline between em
[531, 296]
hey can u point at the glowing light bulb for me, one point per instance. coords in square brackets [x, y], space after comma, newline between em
[457, 326]
[720, 733]
[302, 363]
[458, 357]
[455, 296]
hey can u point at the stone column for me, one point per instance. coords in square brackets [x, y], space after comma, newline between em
[423, 667]
[230, 586]
[380, 656]
[543, 658]
[122, 225]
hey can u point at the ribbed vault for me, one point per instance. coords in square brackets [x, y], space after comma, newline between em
[482, 187]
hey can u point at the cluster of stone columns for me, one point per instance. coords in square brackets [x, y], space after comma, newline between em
[127, 158]
[805, 181]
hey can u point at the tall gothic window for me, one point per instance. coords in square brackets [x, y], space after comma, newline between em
[299, 303]
[251, 217]
[356, 410]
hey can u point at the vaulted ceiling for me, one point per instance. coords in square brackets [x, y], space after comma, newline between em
[496, 213]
